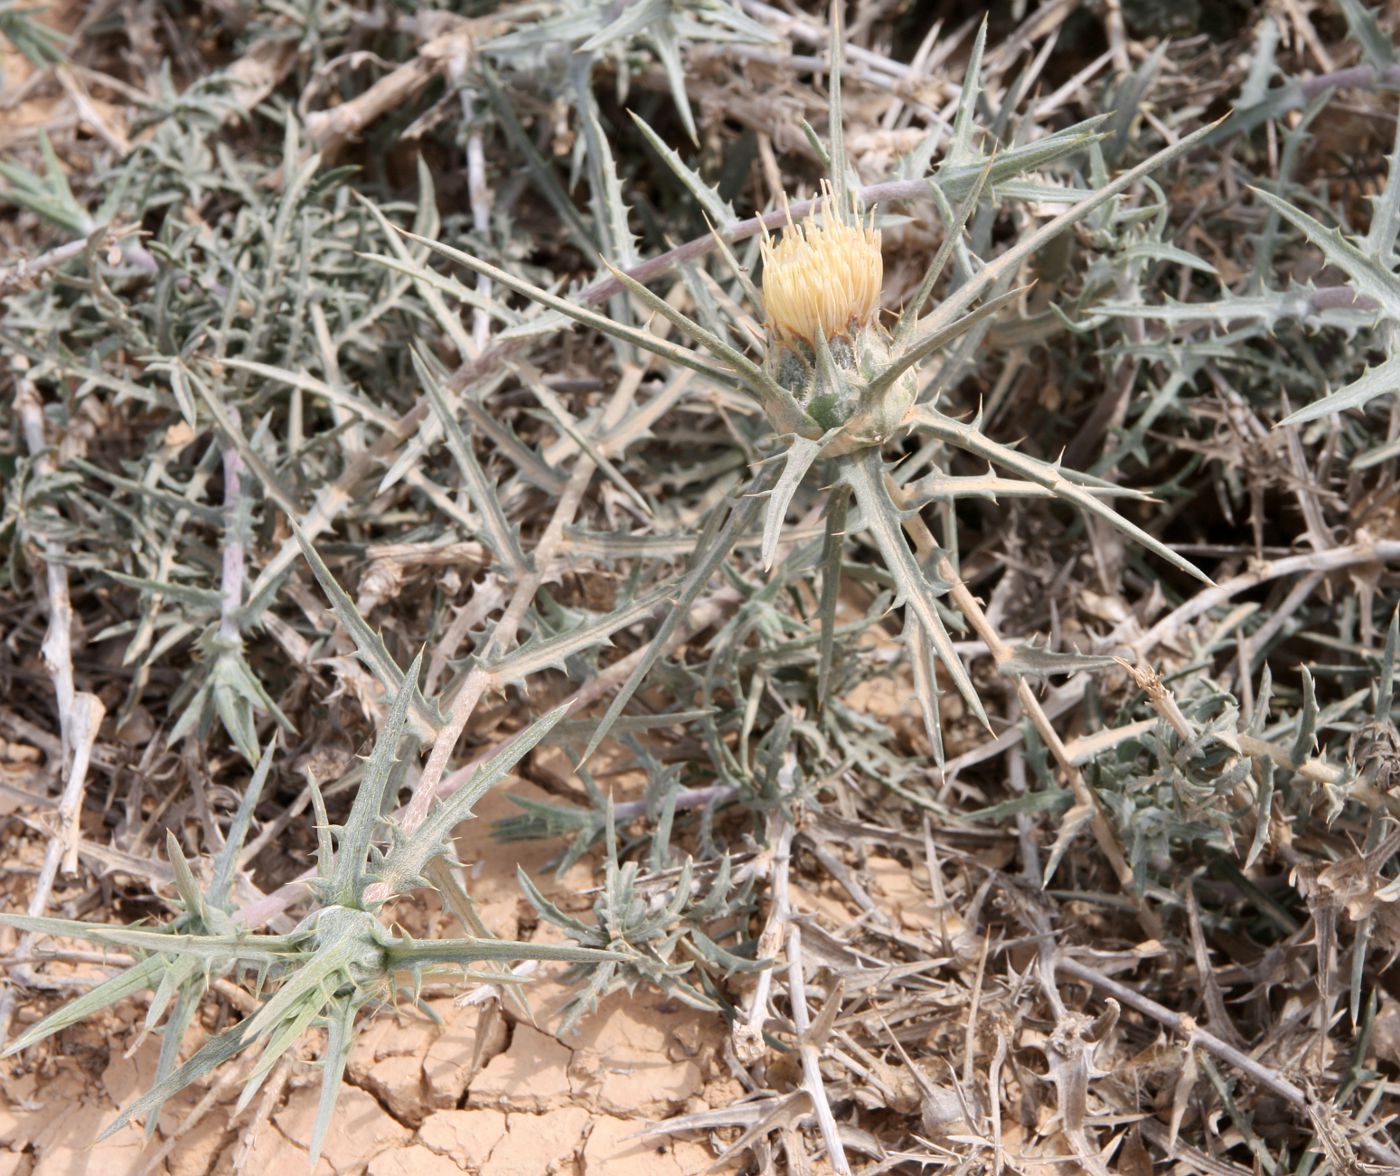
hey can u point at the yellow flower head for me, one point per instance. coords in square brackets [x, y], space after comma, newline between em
[822, 276]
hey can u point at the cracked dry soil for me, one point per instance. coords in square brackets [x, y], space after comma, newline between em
[486, 1093]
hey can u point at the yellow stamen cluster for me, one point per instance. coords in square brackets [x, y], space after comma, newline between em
[824, 275]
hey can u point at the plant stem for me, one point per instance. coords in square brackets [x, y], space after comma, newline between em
[1195, 1035]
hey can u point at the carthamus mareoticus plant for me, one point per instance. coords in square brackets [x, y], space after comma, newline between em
[840, 379]
[836, 384]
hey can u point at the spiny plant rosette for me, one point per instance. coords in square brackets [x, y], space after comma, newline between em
[835, 386]
[325, 379]
[341, 958]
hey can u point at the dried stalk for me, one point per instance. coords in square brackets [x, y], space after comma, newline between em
[1256, 1070]
[79, 713]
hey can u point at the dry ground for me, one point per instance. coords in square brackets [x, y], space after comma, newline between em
[954, 1051]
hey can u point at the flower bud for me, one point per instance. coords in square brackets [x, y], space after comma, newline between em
[823, 277]
[821, 291]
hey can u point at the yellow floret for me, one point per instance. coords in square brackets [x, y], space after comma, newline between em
[824, 275]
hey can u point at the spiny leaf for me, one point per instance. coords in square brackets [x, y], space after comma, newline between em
[954, 223]
[347, 879]
[406, 861]
[213, 1054]
[1305, 743]
[454, 953]
[1027, 246]
[340, 1024]
[1048, 475]
[369, 645]
[499, 534]
[1366, 31]
[709, 553]
[832, 542]
[927, 342]
[1376, 381]
[1385, 684]
[1367, 274]
[960, 148]
[714, 206]
[248, 947]
[221, 879]
[777, 402]
[798, 458]
[139, 977]
[864, 473]
[600, 322]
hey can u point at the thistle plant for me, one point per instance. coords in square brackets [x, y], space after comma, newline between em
[339, 961]
[295, 398]
[837, 385]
